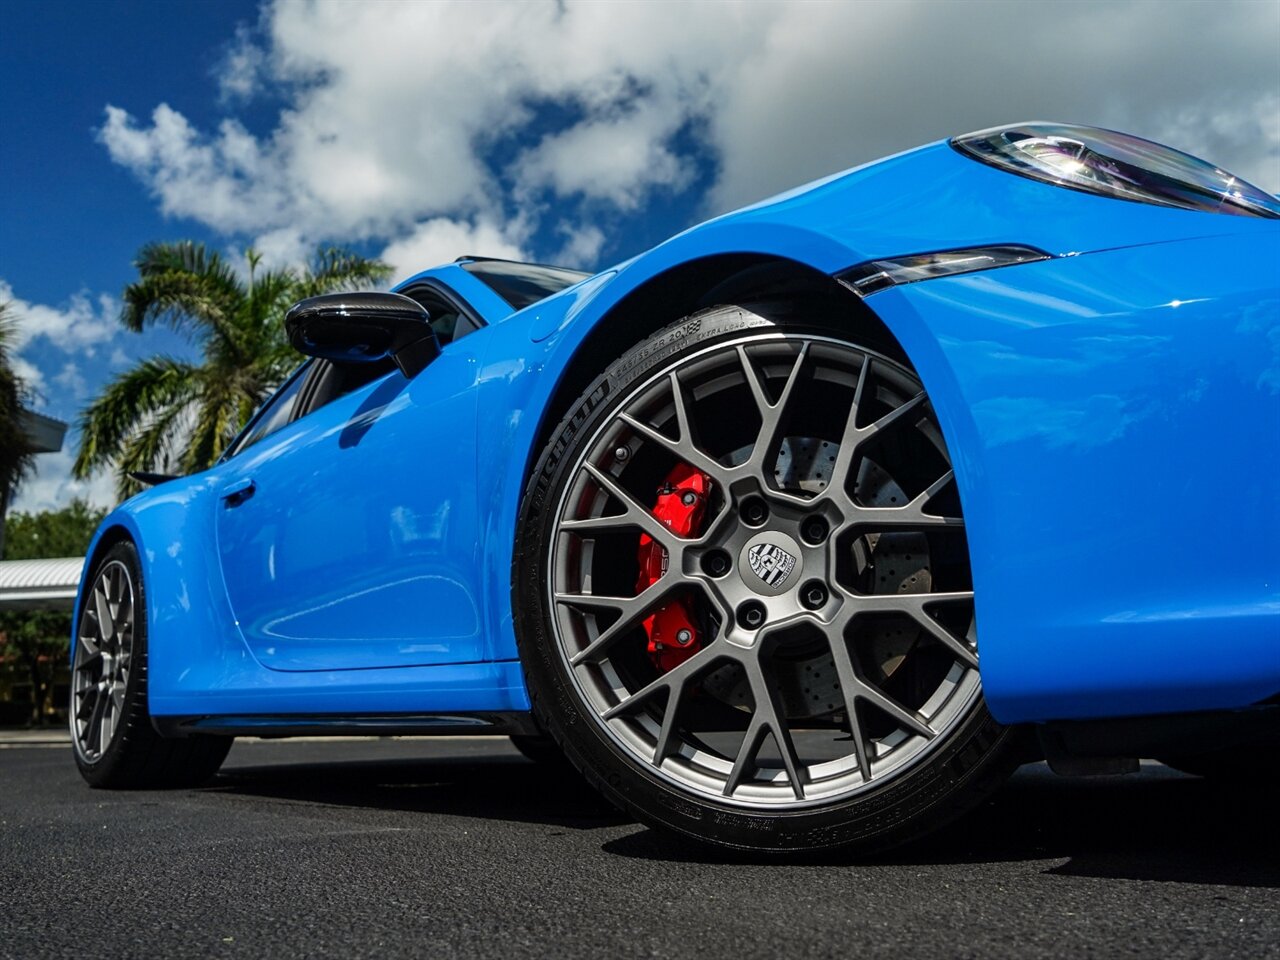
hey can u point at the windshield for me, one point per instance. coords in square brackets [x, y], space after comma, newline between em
[522, 284]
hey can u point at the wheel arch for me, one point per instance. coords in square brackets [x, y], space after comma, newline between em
[112, 531]
[767, 281]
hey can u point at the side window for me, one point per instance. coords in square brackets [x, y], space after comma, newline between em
[334, 380]
[449, 320]
[275, 413]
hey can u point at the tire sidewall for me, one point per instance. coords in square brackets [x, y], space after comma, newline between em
[135, 698]
[880, 816]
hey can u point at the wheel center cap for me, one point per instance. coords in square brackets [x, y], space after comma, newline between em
[770, 563]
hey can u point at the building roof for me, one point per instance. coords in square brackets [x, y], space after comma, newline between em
[45, 433]
[39, 584]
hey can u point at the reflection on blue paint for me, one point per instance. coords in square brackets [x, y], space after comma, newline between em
[1113, 415]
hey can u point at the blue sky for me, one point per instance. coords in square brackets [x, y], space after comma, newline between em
[581, 132]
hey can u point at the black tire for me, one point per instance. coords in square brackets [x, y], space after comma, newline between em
[541, 750]
[977, 757]
[135, 757]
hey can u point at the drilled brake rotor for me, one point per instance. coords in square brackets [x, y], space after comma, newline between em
[890, 562]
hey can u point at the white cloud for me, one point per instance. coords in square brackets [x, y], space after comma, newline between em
[616, 159]
[582, 245]
[442, 240]
[51, 487]
[847, 83]
[399, 114]
[82, 324]
[241, 68]
[29, 373]
[72, 381]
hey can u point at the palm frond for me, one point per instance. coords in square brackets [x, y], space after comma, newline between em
[216, 425]
[335, 268]
[151, 448]
[183, 285]
[16, 455]
[151, 387]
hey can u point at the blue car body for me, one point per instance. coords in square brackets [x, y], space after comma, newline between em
[1113, 414]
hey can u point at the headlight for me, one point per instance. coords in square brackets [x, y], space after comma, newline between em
[865, 279]
[1115, 165]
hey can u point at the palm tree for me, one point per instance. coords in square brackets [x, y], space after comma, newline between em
[167, 414]
[16, 454]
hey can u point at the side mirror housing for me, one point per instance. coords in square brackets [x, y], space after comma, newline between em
[363, 327]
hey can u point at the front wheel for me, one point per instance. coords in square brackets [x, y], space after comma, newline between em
[743, 593]
[114, 743]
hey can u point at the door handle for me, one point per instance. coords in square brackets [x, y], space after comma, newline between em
[237, 493]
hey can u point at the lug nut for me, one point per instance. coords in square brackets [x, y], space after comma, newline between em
[813, 594]
[684, 637]
[716, 563]
[751, 615]
[814, 530]
[754, 511]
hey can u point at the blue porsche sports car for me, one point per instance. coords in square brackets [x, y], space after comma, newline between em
[801, 529]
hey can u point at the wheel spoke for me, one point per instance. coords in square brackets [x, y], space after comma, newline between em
[911, 515]
[685, 445]
[635, 513]
[915, 507]
[772, 415]
[746, 758]
[915, 606]
[671, 680]
[849, 438]
[631, 611]
[767, 719]
[897, 415]
[88, 703]
[94, 726]
[773, 718]
[854, 688]
[907, 718]
[106, 625]
[87, 649]
[107, 725]
[849, 684]
[663, 748]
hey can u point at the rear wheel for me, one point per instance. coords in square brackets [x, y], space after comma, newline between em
[111, 733]
[743, 592]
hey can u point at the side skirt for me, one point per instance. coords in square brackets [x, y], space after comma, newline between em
[350, 725]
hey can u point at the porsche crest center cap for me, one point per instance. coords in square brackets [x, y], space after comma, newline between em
[773, 560]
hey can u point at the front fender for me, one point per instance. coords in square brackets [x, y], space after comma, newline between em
[172, 527]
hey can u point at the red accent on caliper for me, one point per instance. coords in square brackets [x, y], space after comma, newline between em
[681, 506]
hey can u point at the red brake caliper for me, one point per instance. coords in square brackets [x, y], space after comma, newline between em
[681, 507]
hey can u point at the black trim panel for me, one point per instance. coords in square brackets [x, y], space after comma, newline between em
[350, 725]
[1167, 733]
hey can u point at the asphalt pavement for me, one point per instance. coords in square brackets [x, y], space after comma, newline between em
[461, 848]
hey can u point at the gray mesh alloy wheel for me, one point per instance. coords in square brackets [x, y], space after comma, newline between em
[112, 737]
[830, 646]
[103, 658]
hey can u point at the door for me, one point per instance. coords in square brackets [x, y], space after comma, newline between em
[348, 537]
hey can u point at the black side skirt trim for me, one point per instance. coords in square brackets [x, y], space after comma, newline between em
[349, 725]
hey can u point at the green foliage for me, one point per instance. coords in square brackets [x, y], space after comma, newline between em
[39, 639]
[15, 447]
[51, 533]
[167, 416]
